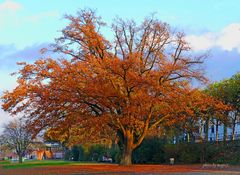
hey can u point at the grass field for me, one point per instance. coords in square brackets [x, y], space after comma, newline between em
[37, 163]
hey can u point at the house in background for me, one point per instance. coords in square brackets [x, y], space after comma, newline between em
[217, 131]
[56, 150]
[46, 150]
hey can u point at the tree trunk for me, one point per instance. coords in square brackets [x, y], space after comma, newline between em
[206, 129]
[127, 149]
[225, 133]
[217, 122]
[233, 132]
[127, 156]
[233, 127]
[20, 158]
[188, 137]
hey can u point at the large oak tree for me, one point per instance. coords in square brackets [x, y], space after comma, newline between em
[128, 87]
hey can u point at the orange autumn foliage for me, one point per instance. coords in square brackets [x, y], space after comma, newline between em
[132, 86]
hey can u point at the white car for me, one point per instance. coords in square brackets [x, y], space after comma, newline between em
[107, 159]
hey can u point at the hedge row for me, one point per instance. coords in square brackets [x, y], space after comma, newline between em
[156, 151]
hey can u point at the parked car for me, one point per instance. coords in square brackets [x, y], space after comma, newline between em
[106, 159]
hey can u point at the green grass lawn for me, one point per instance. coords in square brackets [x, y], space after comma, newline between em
[36, 163]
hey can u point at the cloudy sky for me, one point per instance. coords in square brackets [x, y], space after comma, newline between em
[27, 26]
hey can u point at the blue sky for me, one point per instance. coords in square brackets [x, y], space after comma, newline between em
[27, 26]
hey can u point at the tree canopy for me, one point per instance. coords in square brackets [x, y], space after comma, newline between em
[125, 88]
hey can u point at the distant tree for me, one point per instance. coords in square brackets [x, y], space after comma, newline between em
[128, 88]
[4, 149]
[233, 99]
[228, 91]
[203, 108]
[17, 137]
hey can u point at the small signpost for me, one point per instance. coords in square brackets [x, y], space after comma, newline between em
[171, 161]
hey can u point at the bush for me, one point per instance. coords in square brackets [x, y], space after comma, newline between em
[150, 151]
[96, 152]
[68, 155]
[75, 153]
[189, 153]
[93, 153]
[224, 152]
[115, 154]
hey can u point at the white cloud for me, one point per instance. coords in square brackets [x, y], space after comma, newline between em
[9, 5]
[202, 42]
[227, 39]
